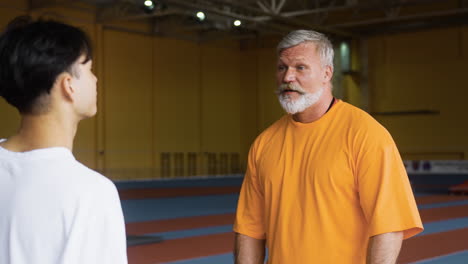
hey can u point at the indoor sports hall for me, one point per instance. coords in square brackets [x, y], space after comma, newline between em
[185, 87]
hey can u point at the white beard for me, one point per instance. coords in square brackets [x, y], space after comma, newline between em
[304, 101]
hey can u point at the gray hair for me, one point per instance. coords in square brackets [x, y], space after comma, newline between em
[296, 37]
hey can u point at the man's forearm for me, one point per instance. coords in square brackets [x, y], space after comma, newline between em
[248, 250]
[384, 248]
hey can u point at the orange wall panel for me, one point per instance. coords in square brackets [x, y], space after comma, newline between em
[128, 105]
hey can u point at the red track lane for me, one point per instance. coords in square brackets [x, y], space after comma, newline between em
[414, 249]
[179, 249]
[175, 192]
[179, 224]
[427, 215]
[147, 193]
[443, 213]
[431, 186]
[433, 245]
[460, 187]
[140, 228]
[439, 199]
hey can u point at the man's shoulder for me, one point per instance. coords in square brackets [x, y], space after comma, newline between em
[354, 116]
[91, 177]
[275, 126]
[63, 165]
[355, 112]
[270, 131]
[91, 188]
[364, 128]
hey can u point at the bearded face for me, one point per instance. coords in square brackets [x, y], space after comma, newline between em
[301, 77]
[294, 99]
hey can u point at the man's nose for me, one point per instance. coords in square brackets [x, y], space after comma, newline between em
[289, 76]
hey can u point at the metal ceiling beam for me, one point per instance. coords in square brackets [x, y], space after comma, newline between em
[128, 11]
[232, 15]
[257, 12]
[258, 17]
[460, 11]
[129, 17]
[288, 14]
[244, 6]
[263, 6]
[280, 6]
[362, 6]
[76, 5]
[125, 11]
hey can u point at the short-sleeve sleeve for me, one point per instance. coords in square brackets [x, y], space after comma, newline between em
[105, 228]
[110, 225]
[385, 193]
[250, 208]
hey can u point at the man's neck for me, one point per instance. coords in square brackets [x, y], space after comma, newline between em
[42, 131]
[316, 111]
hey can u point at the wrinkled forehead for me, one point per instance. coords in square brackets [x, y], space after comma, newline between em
[303, 51]
[307, 46]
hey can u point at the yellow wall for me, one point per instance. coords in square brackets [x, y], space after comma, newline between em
[220, 99]
[168, 96]
[161, 97]
[269, 110]
[352, 83]
[249, 98]
[128, 104]
[11, 9]
[9, 117]
[177, 84]
[422, 70]
[155, 96]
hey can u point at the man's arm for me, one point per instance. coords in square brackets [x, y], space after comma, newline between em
[248, 250]
[384, 248]
[106, 226]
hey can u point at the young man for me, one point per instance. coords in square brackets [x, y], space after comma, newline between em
[324, 184]
[53, 209]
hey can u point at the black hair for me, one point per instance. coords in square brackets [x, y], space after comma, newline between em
[33, 54]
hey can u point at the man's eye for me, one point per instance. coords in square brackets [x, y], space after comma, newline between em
[300, 67]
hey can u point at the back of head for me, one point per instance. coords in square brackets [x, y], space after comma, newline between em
[324, 46]
[32, 55]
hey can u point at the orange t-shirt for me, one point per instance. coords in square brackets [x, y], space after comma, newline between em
[317, 191]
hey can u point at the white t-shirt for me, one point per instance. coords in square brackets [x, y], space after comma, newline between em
[54, 210]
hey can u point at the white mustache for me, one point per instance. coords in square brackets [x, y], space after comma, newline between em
[290, 86]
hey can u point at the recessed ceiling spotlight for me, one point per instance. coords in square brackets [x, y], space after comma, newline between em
[149, 3]
[237, 23]
[149, 6]
[201, 16]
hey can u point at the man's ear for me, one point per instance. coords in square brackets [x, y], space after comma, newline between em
[328, 73]
[65, 87]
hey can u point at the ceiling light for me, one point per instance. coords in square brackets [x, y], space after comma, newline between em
[237, 23]
[149, 3]
[149, 6]
[201, 16]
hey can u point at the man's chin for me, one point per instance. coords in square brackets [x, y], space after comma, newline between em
[290, 98]
[289, 107]
[295, 106]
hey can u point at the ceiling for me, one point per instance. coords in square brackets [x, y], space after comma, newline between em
[340, 18]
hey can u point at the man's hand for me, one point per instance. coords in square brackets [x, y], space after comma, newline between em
[248, 250]
[384, 248]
